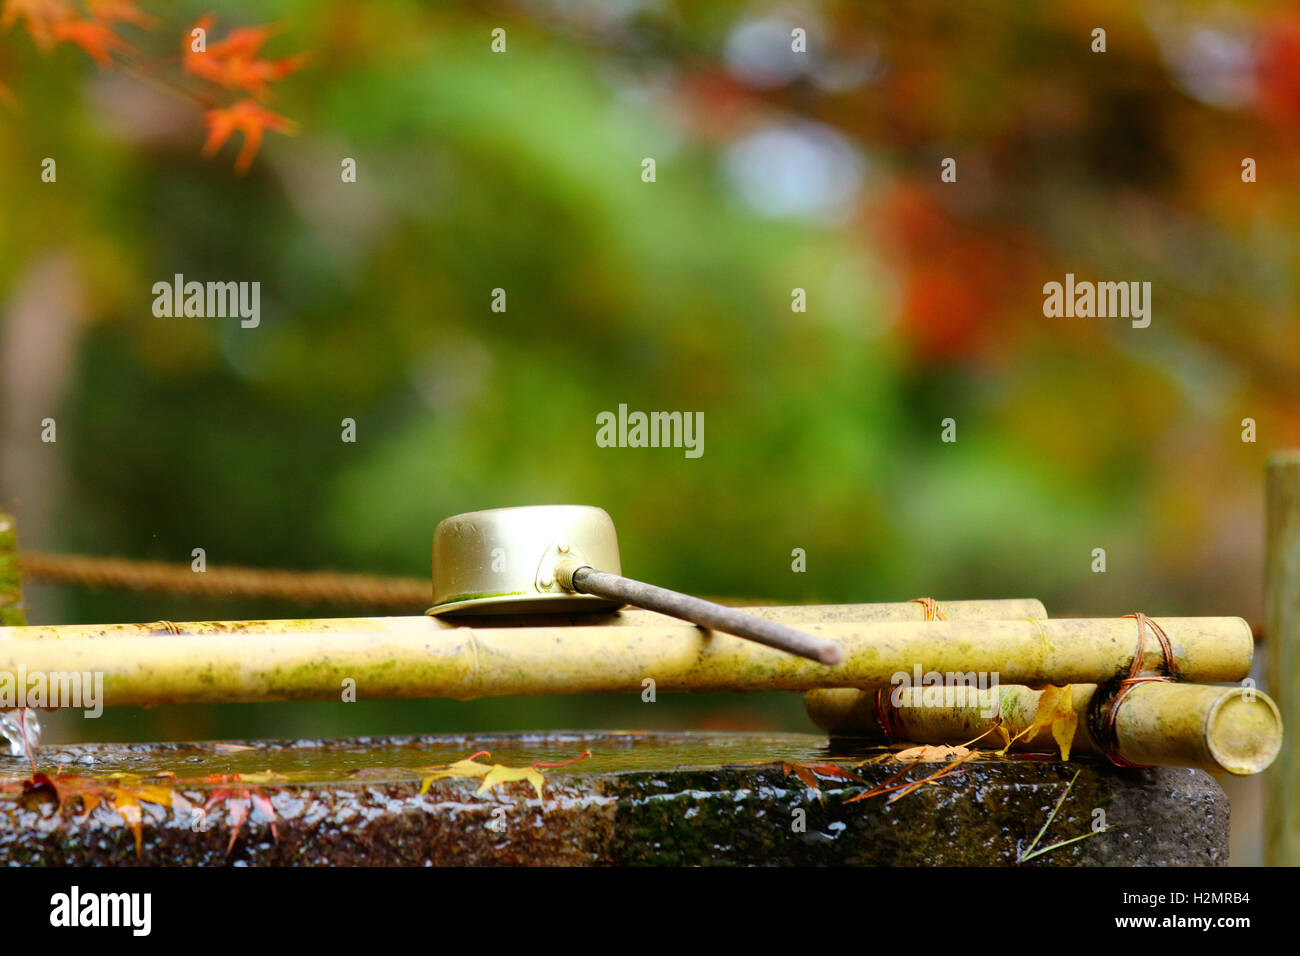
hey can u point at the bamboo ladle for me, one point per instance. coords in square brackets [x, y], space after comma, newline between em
[548, 558]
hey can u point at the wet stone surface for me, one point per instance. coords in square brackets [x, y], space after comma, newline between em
[639, 799]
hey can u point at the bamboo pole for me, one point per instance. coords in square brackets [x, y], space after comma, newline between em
[422, 657]
[798, 614]
[1282, 644]
[1219, 729]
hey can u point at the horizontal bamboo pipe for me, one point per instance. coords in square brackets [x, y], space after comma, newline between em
[423, 657]
[1186, 725]
[797, 614]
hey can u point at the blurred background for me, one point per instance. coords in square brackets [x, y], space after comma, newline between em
[775, 170]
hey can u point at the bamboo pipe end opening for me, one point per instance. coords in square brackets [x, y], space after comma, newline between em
[1244, 733]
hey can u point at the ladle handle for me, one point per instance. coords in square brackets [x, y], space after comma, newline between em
[588, 580]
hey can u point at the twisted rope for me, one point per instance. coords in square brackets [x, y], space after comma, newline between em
[1103, 713]
[886, 713]
[301, 587]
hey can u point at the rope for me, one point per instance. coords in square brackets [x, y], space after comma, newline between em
[930, 608]
[887, 718]
[300, 587]
[1103, 713]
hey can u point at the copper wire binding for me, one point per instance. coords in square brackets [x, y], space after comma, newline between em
[887, 718]
[1102, 714]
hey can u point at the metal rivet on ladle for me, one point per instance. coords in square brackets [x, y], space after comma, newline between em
[565, 558]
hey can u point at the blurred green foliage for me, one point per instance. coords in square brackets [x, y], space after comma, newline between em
[522, 171]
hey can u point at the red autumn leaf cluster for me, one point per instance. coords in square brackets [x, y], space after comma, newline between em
[237, 800]
[51, 22]
[124, 795]
[235, 64]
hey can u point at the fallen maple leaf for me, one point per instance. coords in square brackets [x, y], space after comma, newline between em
[808, 773]
[124, 795]
[1055, 711]
[238, 799]
[494, 774]
[1002, 732]
[248, 117]
[917, 753]
[928, 753]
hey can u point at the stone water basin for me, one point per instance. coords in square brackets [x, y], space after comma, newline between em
[640, 798]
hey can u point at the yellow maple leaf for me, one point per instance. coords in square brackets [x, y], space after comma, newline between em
[927, 753]
[492, 774]
[128, 808]
[503, 774]
[1056, 712]
[468, 767]
[266, 776]
[1001, 729]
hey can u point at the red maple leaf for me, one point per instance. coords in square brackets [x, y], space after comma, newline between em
[237, 800]
[809, 772]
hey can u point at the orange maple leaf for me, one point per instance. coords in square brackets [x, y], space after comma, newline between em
[39, 16]
[96, 37]
[124, 793]
[251, 75]
[248, 117]
[121, 11]
[234, 63]
[243, 41]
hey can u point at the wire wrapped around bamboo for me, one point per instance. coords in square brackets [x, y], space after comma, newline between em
[421, 657]
[1219, 729]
